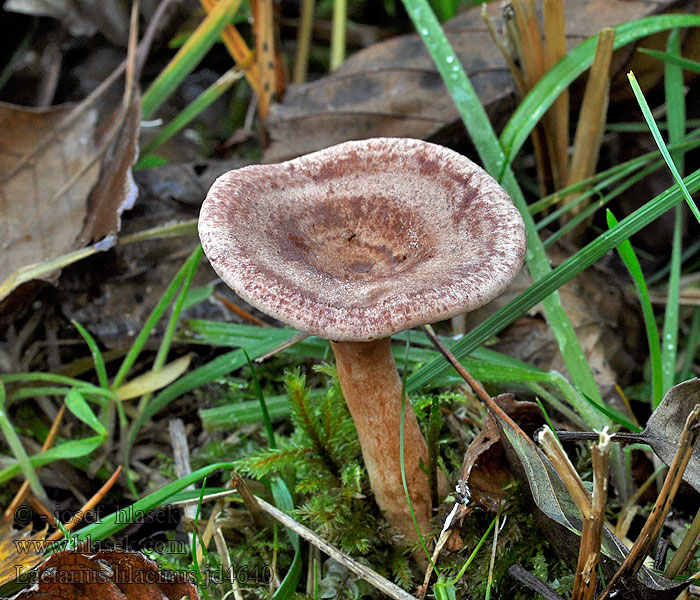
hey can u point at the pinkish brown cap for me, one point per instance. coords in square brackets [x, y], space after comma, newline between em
[364, 239]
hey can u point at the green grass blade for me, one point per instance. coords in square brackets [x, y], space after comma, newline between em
[189, 56]
[19, 452]
[649, 118]
[81, 409]
[85, 387]
[561, 75]
[471, 558]
[603, 201]
[111, 524]
[484, 138]
[675, 111]
[583, 259]
[283, 501]
[153, 319]
[673, 58]
[614, 414]
[97, 357]
[691, 346]
[243, 413]
[212, 371]
[190, 268]
[629, 257]
[263, 405]
[67, 450]
[192, 111]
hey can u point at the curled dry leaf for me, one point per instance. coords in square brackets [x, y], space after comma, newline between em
[666, 423]
[115, 191]
[393, 89]
[108, 575]
[35, 225]
[47, 205]
[560, 520]
[20, 551]
[485, 468]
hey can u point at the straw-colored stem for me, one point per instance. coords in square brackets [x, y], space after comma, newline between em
[557, 117]
[592, 117]
[306, 21]
[686, 550]
[634, 560]
[591, 535]
[340, 20]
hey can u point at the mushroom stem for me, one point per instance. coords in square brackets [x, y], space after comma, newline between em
[372, 389]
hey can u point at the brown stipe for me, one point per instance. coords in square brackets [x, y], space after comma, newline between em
[355, 243]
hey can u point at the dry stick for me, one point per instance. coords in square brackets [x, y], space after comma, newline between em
[534, 583]
[592, 117]
[222, 549]
[239, 51]
[653, 525]
[48, 442]
[241, 312]
[295, 339]
[685, 551]
[264, 53]
[473, 383]
[459, 511]
[562, 465]
[557, 117]
[181, 456]
[383, 585]
[624, 520]
[249, 500]
[591, 536]
[88, 506]
[512, 67]
[525, 30]
[626, 402]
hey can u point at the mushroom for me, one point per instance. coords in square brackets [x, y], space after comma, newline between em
[353, 244]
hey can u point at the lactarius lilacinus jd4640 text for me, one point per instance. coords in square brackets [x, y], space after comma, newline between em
[353, 244]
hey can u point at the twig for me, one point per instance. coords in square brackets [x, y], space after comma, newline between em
[306, 21]
[181, 455]
[383, 585]
[534, 583]
[653, 525]
[686, 550]
[48, 442]
[241, 312]
[88, 506]
[589, 550]
[240, 485]
[295, 339]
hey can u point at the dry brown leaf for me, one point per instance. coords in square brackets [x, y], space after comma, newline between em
[20, 551]
[485, 468]
[47, 207]
[116, 190]
[394, 89]
[34, 224]
[107, 575]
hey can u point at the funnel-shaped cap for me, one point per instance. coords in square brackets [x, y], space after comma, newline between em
[363, 239]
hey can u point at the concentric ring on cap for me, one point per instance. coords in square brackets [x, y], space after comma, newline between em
[364, 239]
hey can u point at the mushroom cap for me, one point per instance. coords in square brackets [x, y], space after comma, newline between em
[364, 239]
